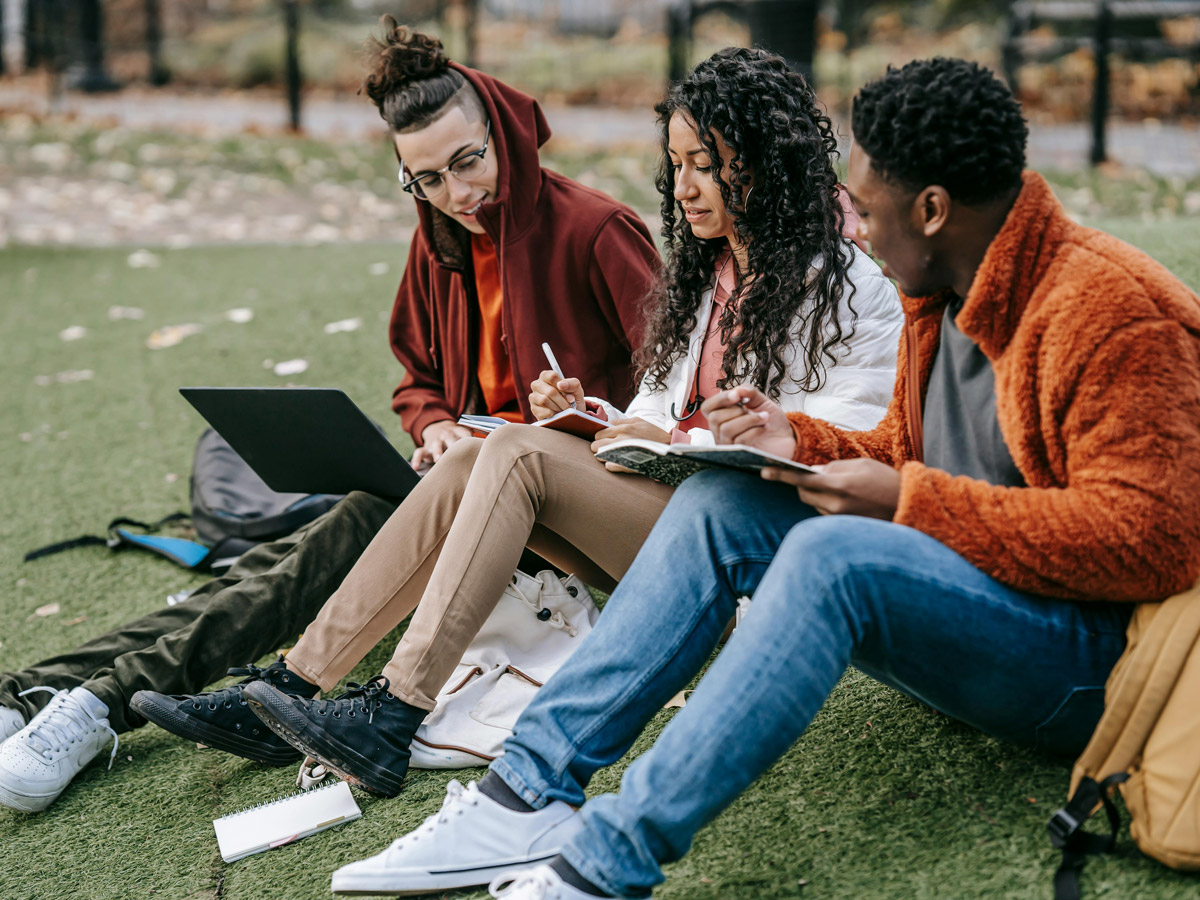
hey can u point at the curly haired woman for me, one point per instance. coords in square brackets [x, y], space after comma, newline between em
[760, 287]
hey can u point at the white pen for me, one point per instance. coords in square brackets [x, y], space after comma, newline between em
[555, 366]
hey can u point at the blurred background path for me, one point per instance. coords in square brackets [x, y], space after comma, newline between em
[1163, 148]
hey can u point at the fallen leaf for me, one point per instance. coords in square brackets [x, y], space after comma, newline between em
[142, 259]
[343, 325]
[49, 609]
[68, 377]
[76, 620]
[241, 315]
[170, 335]
[72, 333]
[126, 312]
[679, 701]
[291, 367]
[379, 268]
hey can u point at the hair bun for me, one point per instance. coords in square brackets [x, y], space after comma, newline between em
[400, 58]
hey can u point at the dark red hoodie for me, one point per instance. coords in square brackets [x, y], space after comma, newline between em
[575, 267]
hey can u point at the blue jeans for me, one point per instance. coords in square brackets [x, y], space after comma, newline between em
[828, 592]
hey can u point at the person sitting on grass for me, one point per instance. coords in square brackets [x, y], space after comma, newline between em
[760, 285]
[981, 550]
[507, 255]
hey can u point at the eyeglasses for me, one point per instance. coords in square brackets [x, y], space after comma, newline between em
[467, 167]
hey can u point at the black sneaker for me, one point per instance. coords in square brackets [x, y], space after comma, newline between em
[363, 735]
[221, 719]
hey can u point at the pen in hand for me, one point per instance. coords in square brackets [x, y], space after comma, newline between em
[555, 366]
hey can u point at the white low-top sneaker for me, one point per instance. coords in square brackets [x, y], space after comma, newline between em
[11, 722]
[470, 841]
[540, 883]
[39, 761]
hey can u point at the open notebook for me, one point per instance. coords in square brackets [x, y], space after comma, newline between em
[282, 821]
[572, 421]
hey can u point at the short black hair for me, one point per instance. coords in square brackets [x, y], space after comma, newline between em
[943, 121]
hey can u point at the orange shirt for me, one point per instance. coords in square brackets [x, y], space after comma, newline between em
[494, 370]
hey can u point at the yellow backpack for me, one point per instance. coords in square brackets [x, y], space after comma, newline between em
[1148, 743]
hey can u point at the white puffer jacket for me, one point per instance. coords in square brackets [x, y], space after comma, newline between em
[857, 389]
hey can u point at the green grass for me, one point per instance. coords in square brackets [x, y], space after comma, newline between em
[880, 799]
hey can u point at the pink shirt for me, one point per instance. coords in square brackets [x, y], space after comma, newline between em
[712, 351]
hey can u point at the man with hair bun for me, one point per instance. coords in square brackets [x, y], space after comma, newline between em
[980, 550]
[507, 255]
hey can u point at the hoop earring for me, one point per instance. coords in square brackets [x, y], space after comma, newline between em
[746, 198]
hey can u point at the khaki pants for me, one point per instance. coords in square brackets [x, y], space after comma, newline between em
[455, 541]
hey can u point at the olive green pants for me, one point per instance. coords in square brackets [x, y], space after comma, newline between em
[262, 603]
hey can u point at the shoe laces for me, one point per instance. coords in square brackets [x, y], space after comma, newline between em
[456, 798]
[62, 722]
[366, 697]
[531, 884]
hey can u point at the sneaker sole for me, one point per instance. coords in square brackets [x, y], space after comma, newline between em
[418, 882]
[26, 803]
[168, 717]
[346, 763]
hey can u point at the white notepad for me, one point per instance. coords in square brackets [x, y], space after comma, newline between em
[282, 821]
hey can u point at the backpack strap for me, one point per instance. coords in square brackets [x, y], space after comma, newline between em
[1067, 834]
[189, 554]
[1162, 636]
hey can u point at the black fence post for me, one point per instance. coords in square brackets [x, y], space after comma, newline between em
[94, 78]
[1100, 49]
[679, 36]
[291, 16]
[159, 74]
[786, 27]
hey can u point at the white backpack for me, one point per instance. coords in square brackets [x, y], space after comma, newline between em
[537, 624]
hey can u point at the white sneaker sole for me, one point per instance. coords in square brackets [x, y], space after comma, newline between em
[414, 882]
[23, 802]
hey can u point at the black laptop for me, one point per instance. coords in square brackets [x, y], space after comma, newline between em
[305, 440]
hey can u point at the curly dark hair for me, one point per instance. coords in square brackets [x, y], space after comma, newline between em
[411, 81]
[790, 225]
[943, 121]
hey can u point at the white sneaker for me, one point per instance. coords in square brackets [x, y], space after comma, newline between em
[11, 722]
[470, 841]
[542, 883]
[39, 761]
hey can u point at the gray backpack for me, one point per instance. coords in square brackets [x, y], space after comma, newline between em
[232, 511]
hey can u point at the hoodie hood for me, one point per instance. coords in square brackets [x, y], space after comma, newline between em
[518, 130]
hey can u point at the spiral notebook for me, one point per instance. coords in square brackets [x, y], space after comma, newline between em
[284, 820]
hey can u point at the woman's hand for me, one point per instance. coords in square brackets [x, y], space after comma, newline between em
[745, 415]
[551, 394]
[623, 429]
[436, 440]
[628, 428]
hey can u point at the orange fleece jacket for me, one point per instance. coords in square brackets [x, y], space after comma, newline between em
[1096, 354]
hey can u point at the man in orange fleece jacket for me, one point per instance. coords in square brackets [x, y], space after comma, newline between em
[1038, 472]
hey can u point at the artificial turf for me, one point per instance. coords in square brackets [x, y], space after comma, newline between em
[881, 798]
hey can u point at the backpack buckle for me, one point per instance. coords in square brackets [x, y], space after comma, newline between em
[1062, 826]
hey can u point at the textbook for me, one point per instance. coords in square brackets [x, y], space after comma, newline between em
[671, 463]
[289, 818]
[572, 421]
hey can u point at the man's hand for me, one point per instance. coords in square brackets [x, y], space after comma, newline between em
[745, 415]
[551, 394]
[847, 487]
[436, 440]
